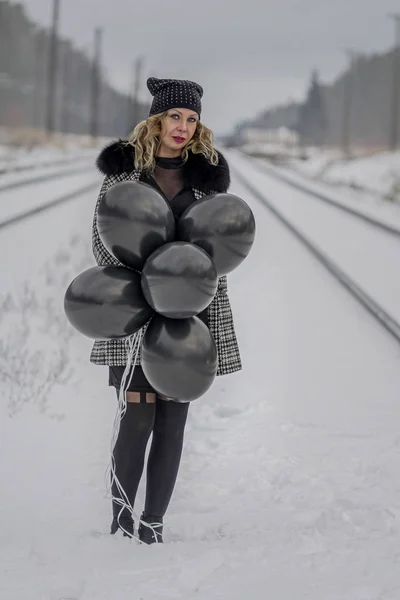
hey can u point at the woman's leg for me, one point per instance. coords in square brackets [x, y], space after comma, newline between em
[129, 452]
[164, 459]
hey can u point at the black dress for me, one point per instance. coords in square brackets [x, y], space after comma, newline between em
[168, 180]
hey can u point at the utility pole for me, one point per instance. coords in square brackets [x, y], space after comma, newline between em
[395, 110]
[347, 101]
[67, 88]
[37, 61]
[52, 69]
[95, 87]
[134, 108]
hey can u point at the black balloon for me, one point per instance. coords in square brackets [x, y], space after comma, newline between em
[134, 220]
[223, 225]
[179, 280]
[106, 302]
[179, 357]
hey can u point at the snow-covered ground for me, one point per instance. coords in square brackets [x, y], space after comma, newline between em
[289, 486]
[369, 256]
[369, 179]
[14, 158]
[81, 164]
[22, 199]
[378, 174]
[371, 205]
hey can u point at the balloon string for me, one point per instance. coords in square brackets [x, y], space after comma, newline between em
[132, 345]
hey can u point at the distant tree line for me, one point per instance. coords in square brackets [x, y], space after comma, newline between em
[24, 67]
[353, 111]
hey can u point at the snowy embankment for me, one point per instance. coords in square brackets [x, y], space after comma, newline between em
[19, 158]
[378, 174]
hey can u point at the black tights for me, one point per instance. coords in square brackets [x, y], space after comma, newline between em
[166, 419]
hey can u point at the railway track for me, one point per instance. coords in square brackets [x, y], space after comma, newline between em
[387, 321]
[12, 185]
[7, 170]
[15, 219]
[302, 187]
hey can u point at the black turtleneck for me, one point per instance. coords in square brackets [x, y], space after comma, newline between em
[169, 163]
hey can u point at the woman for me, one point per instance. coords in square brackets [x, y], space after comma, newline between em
[173, 152]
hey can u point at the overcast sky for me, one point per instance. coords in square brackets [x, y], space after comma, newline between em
[247, 55]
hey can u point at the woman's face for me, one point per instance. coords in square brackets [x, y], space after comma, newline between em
[178, 128]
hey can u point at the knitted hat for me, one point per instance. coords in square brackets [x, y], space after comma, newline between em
[174, 93]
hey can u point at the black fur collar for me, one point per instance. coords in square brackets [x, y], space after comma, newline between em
[117, 158]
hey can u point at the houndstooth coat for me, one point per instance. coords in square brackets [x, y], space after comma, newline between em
[116, 163]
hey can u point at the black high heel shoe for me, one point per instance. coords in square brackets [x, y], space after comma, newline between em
[125, 523]
[152, 534]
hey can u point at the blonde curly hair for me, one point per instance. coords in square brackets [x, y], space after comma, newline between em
[145, 138]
